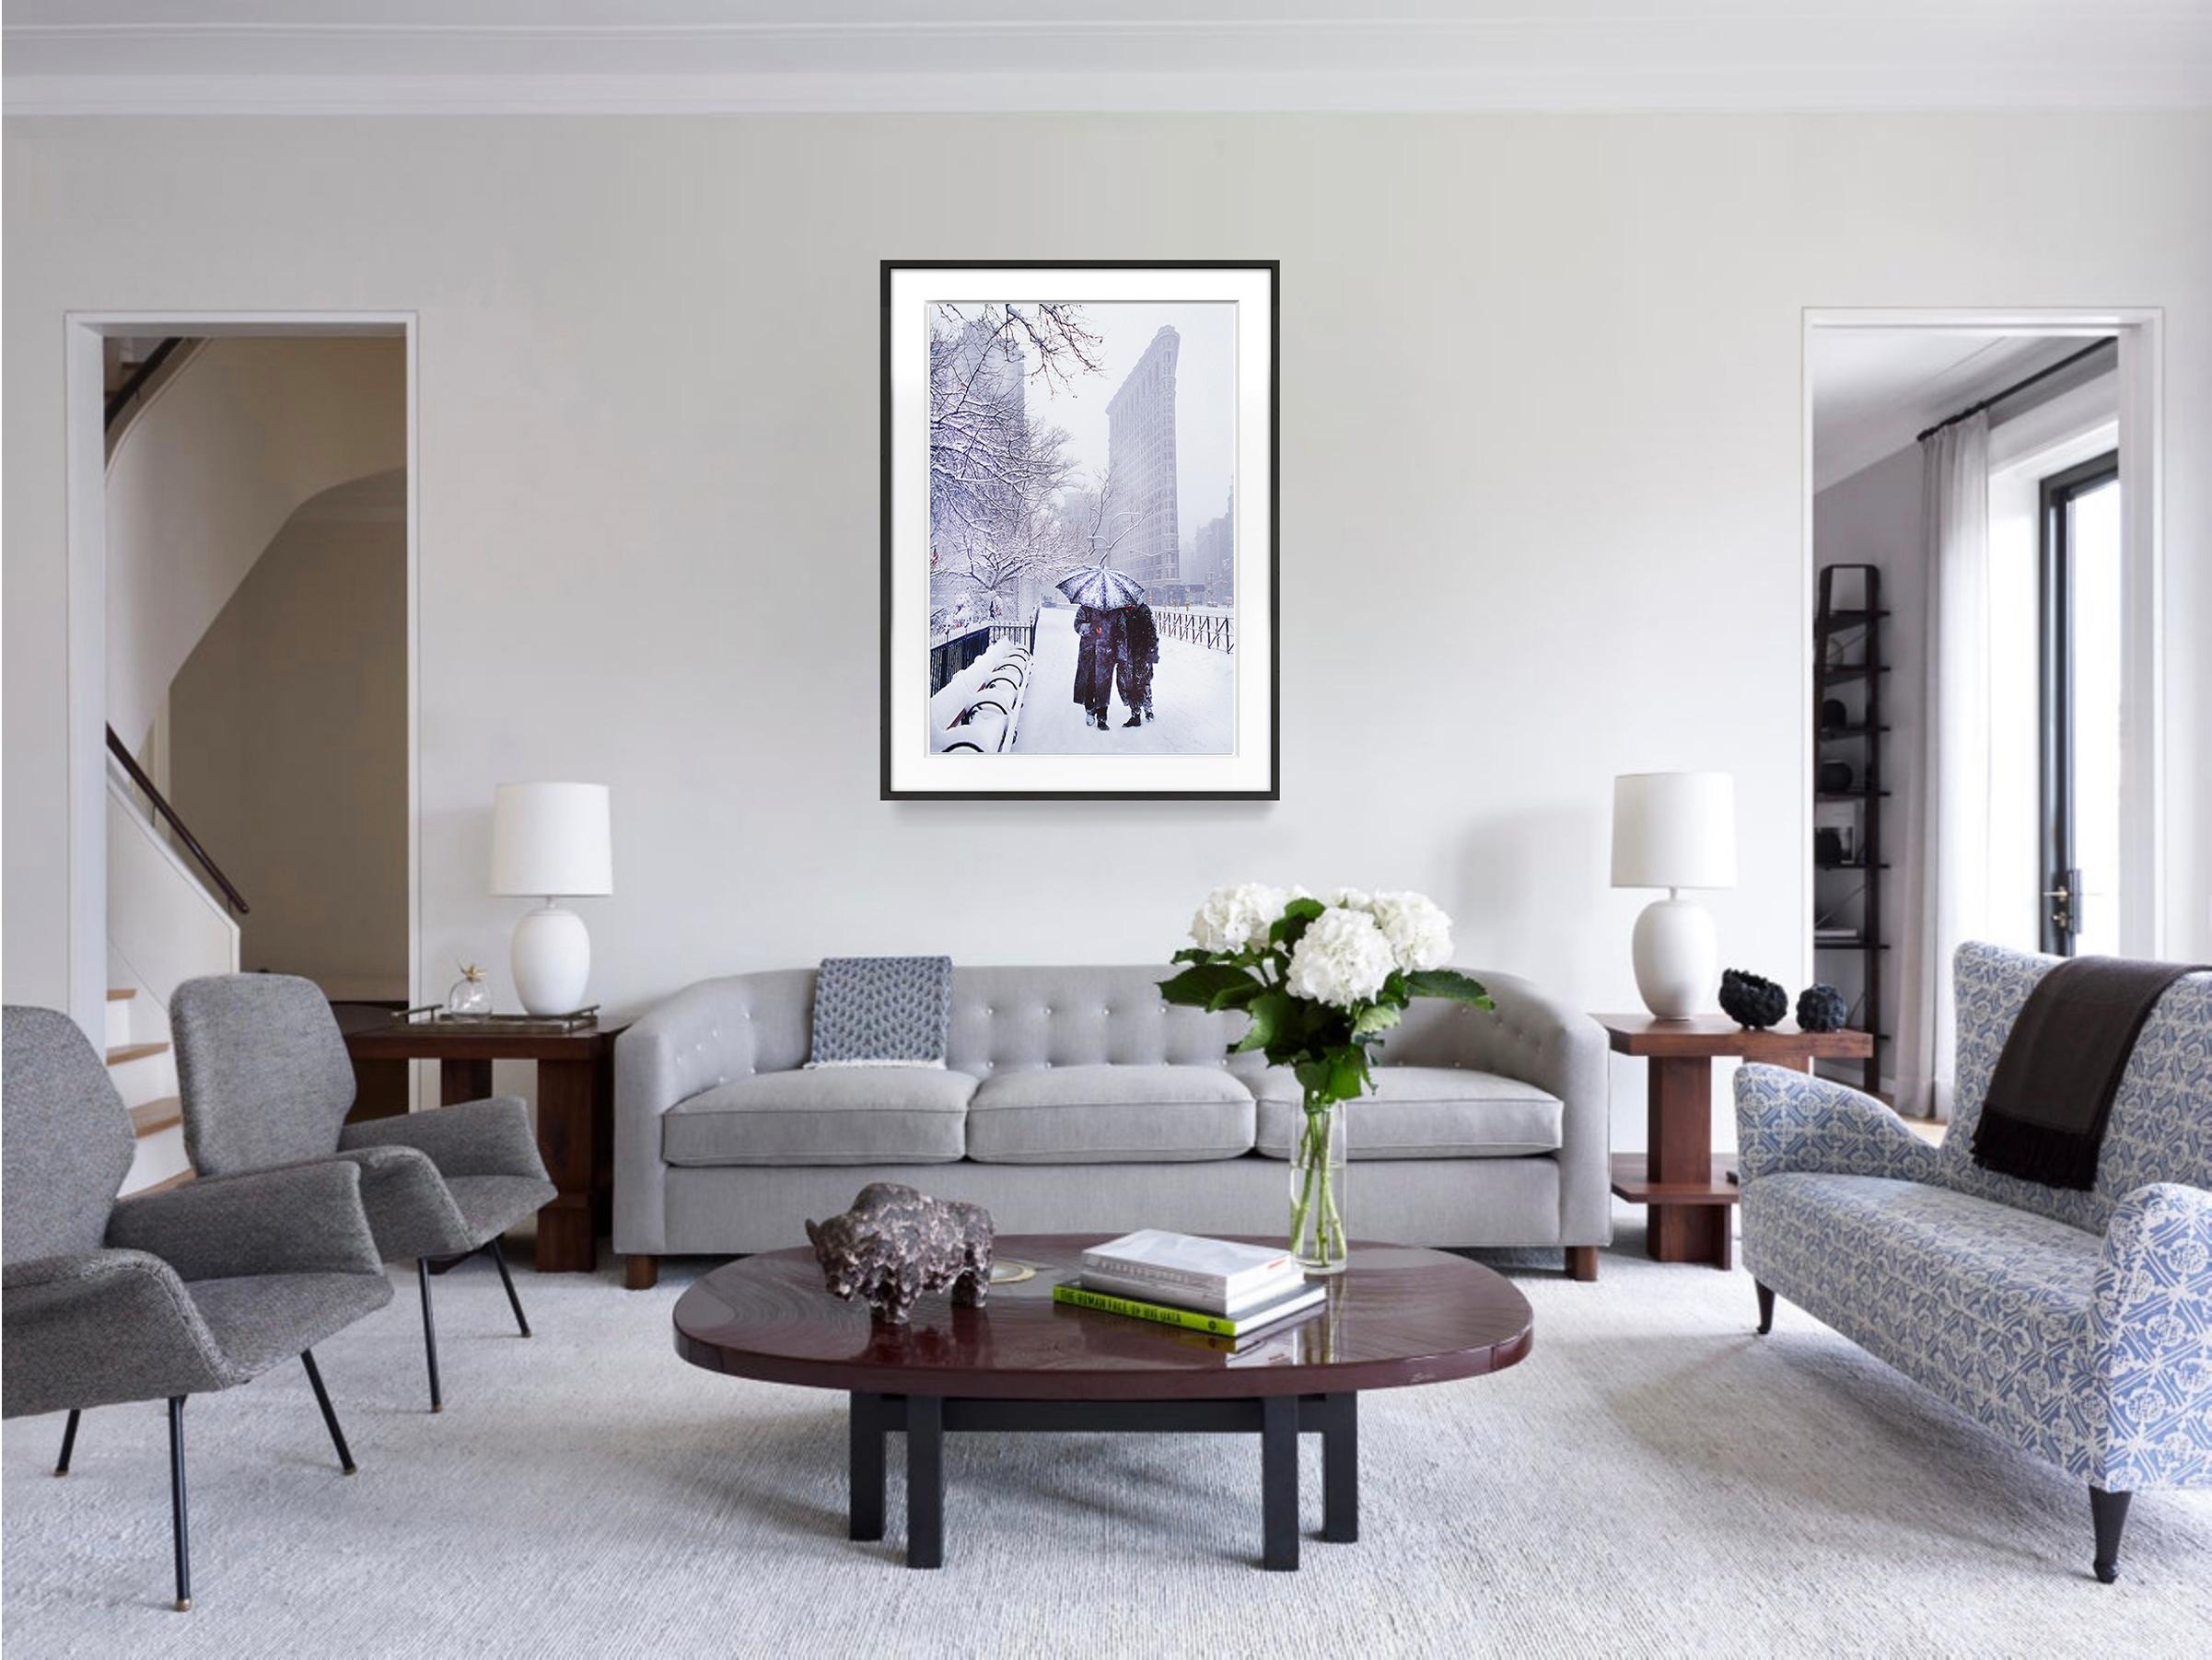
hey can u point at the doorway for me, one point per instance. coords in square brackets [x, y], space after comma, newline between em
[2009, 788]
[242, 686]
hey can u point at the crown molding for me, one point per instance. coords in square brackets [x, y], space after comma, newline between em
[1694, 59]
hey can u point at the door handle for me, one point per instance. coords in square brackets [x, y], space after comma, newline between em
[2062, 911]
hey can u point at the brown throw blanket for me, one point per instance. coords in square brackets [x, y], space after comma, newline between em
[2053, 1087]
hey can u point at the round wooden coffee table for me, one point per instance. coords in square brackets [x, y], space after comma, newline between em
[1398, 1316]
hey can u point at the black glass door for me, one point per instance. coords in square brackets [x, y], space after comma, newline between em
[2078, 644]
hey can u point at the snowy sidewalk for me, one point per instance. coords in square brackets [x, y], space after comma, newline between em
[1194, 698]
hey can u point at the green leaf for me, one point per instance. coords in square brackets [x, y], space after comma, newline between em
[1196, 987]
[1348, 1073]
[1375, 1017]
[1448, 982]
[1236, 997]
[1298, 916]
[1267, 1011]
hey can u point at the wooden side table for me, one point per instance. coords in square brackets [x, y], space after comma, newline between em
[1688, 1189]
[575, 1114]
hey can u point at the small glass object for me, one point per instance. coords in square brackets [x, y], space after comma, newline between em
[470, 995]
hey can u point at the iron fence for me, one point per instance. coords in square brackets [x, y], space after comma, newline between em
[1215, 631]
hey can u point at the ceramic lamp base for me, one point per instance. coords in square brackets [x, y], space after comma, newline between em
[552, 960]
[1677, 957]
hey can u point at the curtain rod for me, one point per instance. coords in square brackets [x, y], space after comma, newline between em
[2019, 386]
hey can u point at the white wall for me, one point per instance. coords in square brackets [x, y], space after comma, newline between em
[1873, 518]
[208, 472]
[288, 749]
[1541, 473]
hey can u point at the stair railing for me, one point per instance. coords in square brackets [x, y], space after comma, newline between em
[161, 808]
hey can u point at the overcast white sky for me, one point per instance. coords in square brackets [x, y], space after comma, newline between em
[1206, 406]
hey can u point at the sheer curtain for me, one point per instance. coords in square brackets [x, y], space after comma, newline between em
[1947, 834]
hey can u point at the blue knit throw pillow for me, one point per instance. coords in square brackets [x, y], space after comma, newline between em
[881, 1011]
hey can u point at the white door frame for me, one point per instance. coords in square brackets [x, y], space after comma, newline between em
[86, 451]
[2140, 332]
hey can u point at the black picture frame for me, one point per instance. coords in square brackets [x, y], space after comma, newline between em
[1273, 788]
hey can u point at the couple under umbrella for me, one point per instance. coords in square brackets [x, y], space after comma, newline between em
[1116, 640]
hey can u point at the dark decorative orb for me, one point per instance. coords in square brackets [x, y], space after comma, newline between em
[1750, 1002]
[1822, 1009]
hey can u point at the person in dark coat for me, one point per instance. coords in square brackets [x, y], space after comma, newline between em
[1096, 634]
[1137, 654]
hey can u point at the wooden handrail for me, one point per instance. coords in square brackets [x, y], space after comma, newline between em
[161, 806]
[139, 376]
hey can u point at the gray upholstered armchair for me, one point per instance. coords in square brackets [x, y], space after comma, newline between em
[267, 1084]
[167, 1295]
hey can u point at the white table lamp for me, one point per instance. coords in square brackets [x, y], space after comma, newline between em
[549, 841]
[1675, 830]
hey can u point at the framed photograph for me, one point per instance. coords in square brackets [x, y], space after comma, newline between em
[1079, 475]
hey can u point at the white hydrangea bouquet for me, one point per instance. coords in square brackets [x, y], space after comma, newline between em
[1322, 979]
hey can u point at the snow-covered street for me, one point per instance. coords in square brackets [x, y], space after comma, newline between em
[1193, 701]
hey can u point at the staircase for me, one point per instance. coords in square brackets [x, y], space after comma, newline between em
[143, 1070]
[169, 920]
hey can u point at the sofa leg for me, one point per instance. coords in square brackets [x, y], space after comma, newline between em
[641, 1272]
[1767, 1307]
[2108, 1515]
[1582, 1262]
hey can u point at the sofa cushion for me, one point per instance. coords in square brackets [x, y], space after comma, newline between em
[1986, 1304]
[1091, 1115]
[1424, 1112]
[845, 1115]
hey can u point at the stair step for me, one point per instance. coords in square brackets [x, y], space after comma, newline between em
[134, 1051]
[121, 993]
[164, 1185]
[152, 1117]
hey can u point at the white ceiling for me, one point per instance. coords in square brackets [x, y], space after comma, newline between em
[1874, 390]
[338, 56]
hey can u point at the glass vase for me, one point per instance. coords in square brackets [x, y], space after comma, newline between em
[1318, 1235]
[470, 998]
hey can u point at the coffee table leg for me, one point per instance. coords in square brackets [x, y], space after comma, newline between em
[1279, 1481]
[1339, 1468]
[866, 1432]
[925, 1481]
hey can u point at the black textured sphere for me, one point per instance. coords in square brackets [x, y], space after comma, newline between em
[1822, 1009]
[1752, 1002]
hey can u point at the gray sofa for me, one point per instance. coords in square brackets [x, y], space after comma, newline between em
[1074, 1100]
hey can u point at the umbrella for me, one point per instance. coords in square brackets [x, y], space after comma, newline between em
[1102, 586]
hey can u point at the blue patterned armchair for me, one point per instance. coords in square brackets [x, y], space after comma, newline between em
[2076, 1325]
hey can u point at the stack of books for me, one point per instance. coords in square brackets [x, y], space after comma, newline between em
[1210, 1285]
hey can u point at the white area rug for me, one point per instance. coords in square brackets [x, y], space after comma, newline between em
[1654, 1480]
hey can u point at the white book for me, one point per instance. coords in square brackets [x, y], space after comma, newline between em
[1218, 1267]
[1189, 1296]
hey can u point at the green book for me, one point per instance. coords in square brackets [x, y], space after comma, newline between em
[1191, 1319]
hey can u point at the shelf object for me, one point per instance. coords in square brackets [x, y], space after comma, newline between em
[1864, 731]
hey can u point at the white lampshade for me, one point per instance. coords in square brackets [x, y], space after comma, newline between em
[551, 839]
[1674, 830]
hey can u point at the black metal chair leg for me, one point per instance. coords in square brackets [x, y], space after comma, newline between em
[507, 1280]
[2108, 1516]
[179, 1525]
[329, 1418]
[1767, 1307]
[421, 1279]
[60, 1464]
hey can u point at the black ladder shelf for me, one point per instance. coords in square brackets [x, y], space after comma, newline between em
[1849, 672]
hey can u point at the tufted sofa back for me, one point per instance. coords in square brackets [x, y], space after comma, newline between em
[2160, 1127]
[1017, 1019]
